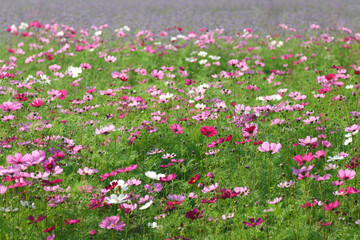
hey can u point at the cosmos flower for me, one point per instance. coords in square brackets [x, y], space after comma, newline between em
[208, 131]
[194, 214]
[346, 174]
[112, 223]
[270, 147]
[116, 199]
[252, 222]
[10, 106]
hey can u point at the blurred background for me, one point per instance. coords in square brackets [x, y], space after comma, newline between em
[233, 15]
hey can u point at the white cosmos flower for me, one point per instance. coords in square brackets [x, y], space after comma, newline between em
[204, 86]
[173, 39]
[276, 97]
[200, 106]
[192, 59]
[126, 28]
[166, 96]
[27, 204]
[120, 184]
[153, 225]
[146, 205]
[98, 33]
[23, 26]
[349, 86]
[114, 199]
[75, 71]
[348, 135]
[154, 175]
[202, 54]
[203, 61]
[348, 141]
[334, 158]
[8, 209]
[214, 57]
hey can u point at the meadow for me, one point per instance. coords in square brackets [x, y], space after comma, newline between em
[173, 134]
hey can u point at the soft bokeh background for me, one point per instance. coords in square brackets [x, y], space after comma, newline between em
[233, 15]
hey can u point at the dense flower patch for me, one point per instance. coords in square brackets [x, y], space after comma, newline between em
[172, 135]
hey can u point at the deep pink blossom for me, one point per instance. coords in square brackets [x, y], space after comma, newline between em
[208, 131]
[252, 222]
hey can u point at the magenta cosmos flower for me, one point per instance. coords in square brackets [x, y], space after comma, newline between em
[194, 214]
[252, 222]
[346, 174]
[208, 131]
[10, 106]
[176, 128]
[270, 147]
[37, 103]
[112, 223]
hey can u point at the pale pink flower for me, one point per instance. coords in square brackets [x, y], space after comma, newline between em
[158, 74]
[270, 147]
[10, 106]
[2, 189]
[346, 174]
[276, 200]
[110, 59]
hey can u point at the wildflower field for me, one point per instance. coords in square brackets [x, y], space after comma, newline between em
[179, 134]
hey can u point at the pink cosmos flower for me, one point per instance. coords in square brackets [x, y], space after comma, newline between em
[37, 103]
[112, 223]
[346, 174]
[208, 131]
[54, 67]
[176, 128]
[108, 92]
[85, 65]
[52, 237]
[307, 141]
[338, 183]
[301, 159]
[331, 206]
[168, 178]
[49, 165]
[18, 158]
[192, 195]
[267, 147]
[322, 178]
[276, 200]
[105, 130]
[71, 221]
[2, 189]
[110, 58]
[210, 188]
[87, 171]
[158, 74]
[10, 106]
[62, 94]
